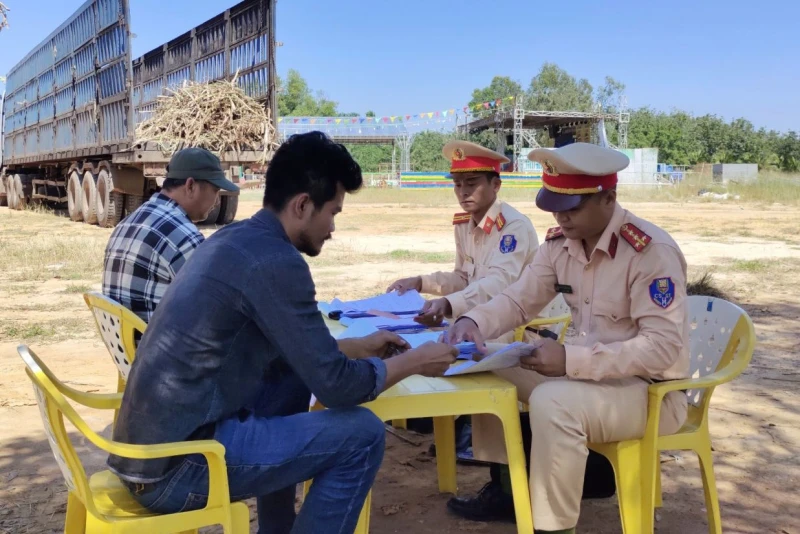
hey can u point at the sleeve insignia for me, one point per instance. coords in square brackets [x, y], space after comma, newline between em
[508, 244]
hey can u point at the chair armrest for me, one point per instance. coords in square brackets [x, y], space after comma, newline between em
[213, 451]
[714, 379]
[97, 401]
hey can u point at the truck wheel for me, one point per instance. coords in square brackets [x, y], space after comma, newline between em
[228, 206]
[75, 197]
[132, 203]
[213, 215]
[19, 193]
[109, 204]
[11, 192]
[89, 200]
[3, 191]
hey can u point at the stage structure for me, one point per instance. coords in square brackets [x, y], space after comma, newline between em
[352, 131]
[517, 126]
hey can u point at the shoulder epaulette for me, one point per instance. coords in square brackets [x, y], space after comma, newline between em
[500, 222]
[461, 218]
[554, 233]
[634, 236]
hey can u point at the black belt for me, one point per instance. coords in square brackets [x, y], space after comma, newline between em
[543, 332]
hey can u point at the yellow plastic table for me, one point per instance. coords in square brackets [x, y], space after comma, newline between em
[443, 399]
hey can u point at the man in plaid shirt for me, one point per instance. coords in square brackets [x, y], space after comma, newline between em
[148, 248]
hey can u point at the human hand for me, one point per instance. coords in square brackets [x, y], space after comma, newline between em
[548, 358]
[383, 344]
[434, 312]
[433, 359]
[406, 284]
[465, 329]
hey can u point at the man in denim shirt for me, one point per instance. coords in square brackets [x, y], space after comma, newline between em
[236, 347]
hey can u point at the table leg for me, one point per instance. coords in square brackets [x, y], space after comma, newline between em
[444, 431]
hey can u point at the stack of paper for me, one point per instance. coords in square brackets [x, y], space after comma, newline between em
[409, 303]
[503, 358]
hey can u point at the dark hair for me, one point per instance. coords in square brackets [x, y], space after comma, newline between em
[310, 163]
[173, 183]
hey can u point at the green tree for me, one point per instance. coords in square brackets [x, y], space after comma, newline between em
[295, 99]
[370, 157]
[788, 152]
[554, 89]
[501, 87]
[426, 152]
[370, 113]
[608, 94]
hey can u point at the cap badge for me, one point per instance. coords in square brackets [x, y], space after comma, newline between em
[458, 154]
[550, 168]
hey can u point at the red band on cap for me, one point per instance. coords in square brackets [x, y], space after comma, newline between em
[475, 164]
[578, 184]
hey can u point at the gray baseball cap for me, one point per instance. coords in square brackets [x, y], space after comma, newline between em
[200, 164]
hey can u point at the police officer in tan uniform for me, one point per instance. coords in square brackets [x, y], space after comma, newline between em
[625, 280]
[494, 242]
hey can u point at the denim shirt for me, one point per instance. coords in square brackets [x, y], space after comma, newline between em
[241, 309]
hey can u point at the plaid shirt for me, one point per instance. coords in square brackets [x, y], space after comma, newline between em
[145, 252]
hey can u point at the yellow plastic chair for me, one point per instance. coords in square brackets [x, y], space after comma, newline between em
[722, 342]
[101, 504]
[443, 399]
[117, 326]
[557, 315]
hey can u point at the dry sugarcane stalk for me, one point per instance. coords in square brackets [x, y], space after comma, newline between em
[3, 16]
[218, 116]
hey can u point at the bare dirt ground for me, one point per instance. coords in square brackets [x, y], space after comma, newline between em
[753, 251]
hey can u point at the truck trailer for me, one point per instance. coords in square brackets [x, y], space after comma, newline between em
[72, 104]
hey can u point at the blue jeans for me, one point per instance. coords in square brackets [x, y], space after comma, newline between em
[275, 446]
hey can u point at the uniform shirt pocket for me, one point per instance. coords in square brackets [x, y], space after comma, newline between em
[616, 312]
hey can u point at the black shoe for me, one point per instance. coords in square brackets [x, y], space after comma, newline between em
[491, 504]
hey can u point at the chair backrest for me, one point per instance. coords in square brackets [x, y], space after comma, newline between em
[721, 336]
[117, 326]
[53, 406]
[557, 307]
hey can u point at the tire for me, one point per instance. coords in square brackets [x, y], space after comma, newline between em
[132, 203]
[19, 193]
[11, 192]
[227, 209]
[75, 196]
[89, 200]
[3, 191]
[109, 204]
[213, 214]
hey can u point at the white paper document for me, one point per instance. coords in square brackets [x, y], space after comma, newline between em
[408, 302]
[385, 323]
[503, 358]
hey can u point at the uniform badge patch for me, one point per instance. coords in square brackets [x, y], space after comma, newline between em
[662, 291]
[508, 244]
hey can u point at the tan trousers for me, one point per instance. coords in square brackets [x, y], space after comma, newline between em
[564, 415]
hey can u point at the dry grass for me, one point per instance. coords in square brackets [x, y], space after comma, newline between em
[770, 188]
[46, 256]
[218, 116]
[706, 286]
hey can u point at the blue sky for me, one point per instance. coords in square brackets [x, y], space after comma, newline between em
[732, 58]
